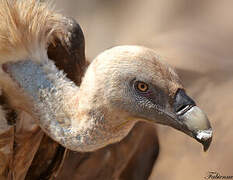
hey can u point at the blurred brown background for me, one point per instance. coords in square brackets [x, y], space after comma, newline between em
[195, 37]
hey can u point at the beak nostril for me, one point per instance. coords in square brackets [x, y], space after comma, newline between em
[183, 109]
[180, 108]
[182, 102]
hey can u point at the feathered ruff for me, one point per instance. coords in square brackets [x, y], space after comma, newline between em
[26, 28]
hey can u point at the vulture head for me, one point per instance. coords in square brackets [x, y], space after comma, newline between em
[122, 85]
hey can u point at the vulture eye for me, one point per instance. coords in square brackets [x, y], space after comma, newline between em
[141, 86]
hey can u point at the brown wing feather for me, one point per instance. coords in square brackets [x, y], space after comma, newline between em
[7, 120]
[68, 51]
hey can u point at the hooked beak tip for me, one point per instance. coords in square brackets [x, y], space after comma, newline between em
[198, 126]
[206, 144]
[205, 138]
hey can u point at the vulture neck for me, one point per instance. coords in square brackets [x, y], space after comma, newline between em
[56, 104]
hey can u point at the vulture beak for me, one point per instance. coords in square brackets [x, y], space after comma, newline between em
[188, 118]
[191, 120]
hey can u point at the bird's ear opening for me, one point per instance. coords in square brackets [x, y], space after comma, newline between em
[68, 50]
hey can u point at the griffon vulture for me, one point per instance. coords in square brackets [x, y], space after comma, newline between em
[122, 86]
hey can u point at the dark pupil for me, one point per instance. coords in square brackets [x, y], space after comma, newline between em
[142, 86]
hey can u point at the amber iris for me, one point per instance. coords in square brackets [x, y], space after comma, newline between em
[143, 87]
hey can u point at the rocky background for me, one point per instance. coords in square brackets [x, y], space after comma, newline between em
[196, 38]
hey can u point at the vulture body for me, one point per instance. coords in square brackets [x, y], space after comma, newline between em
[122, 86]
